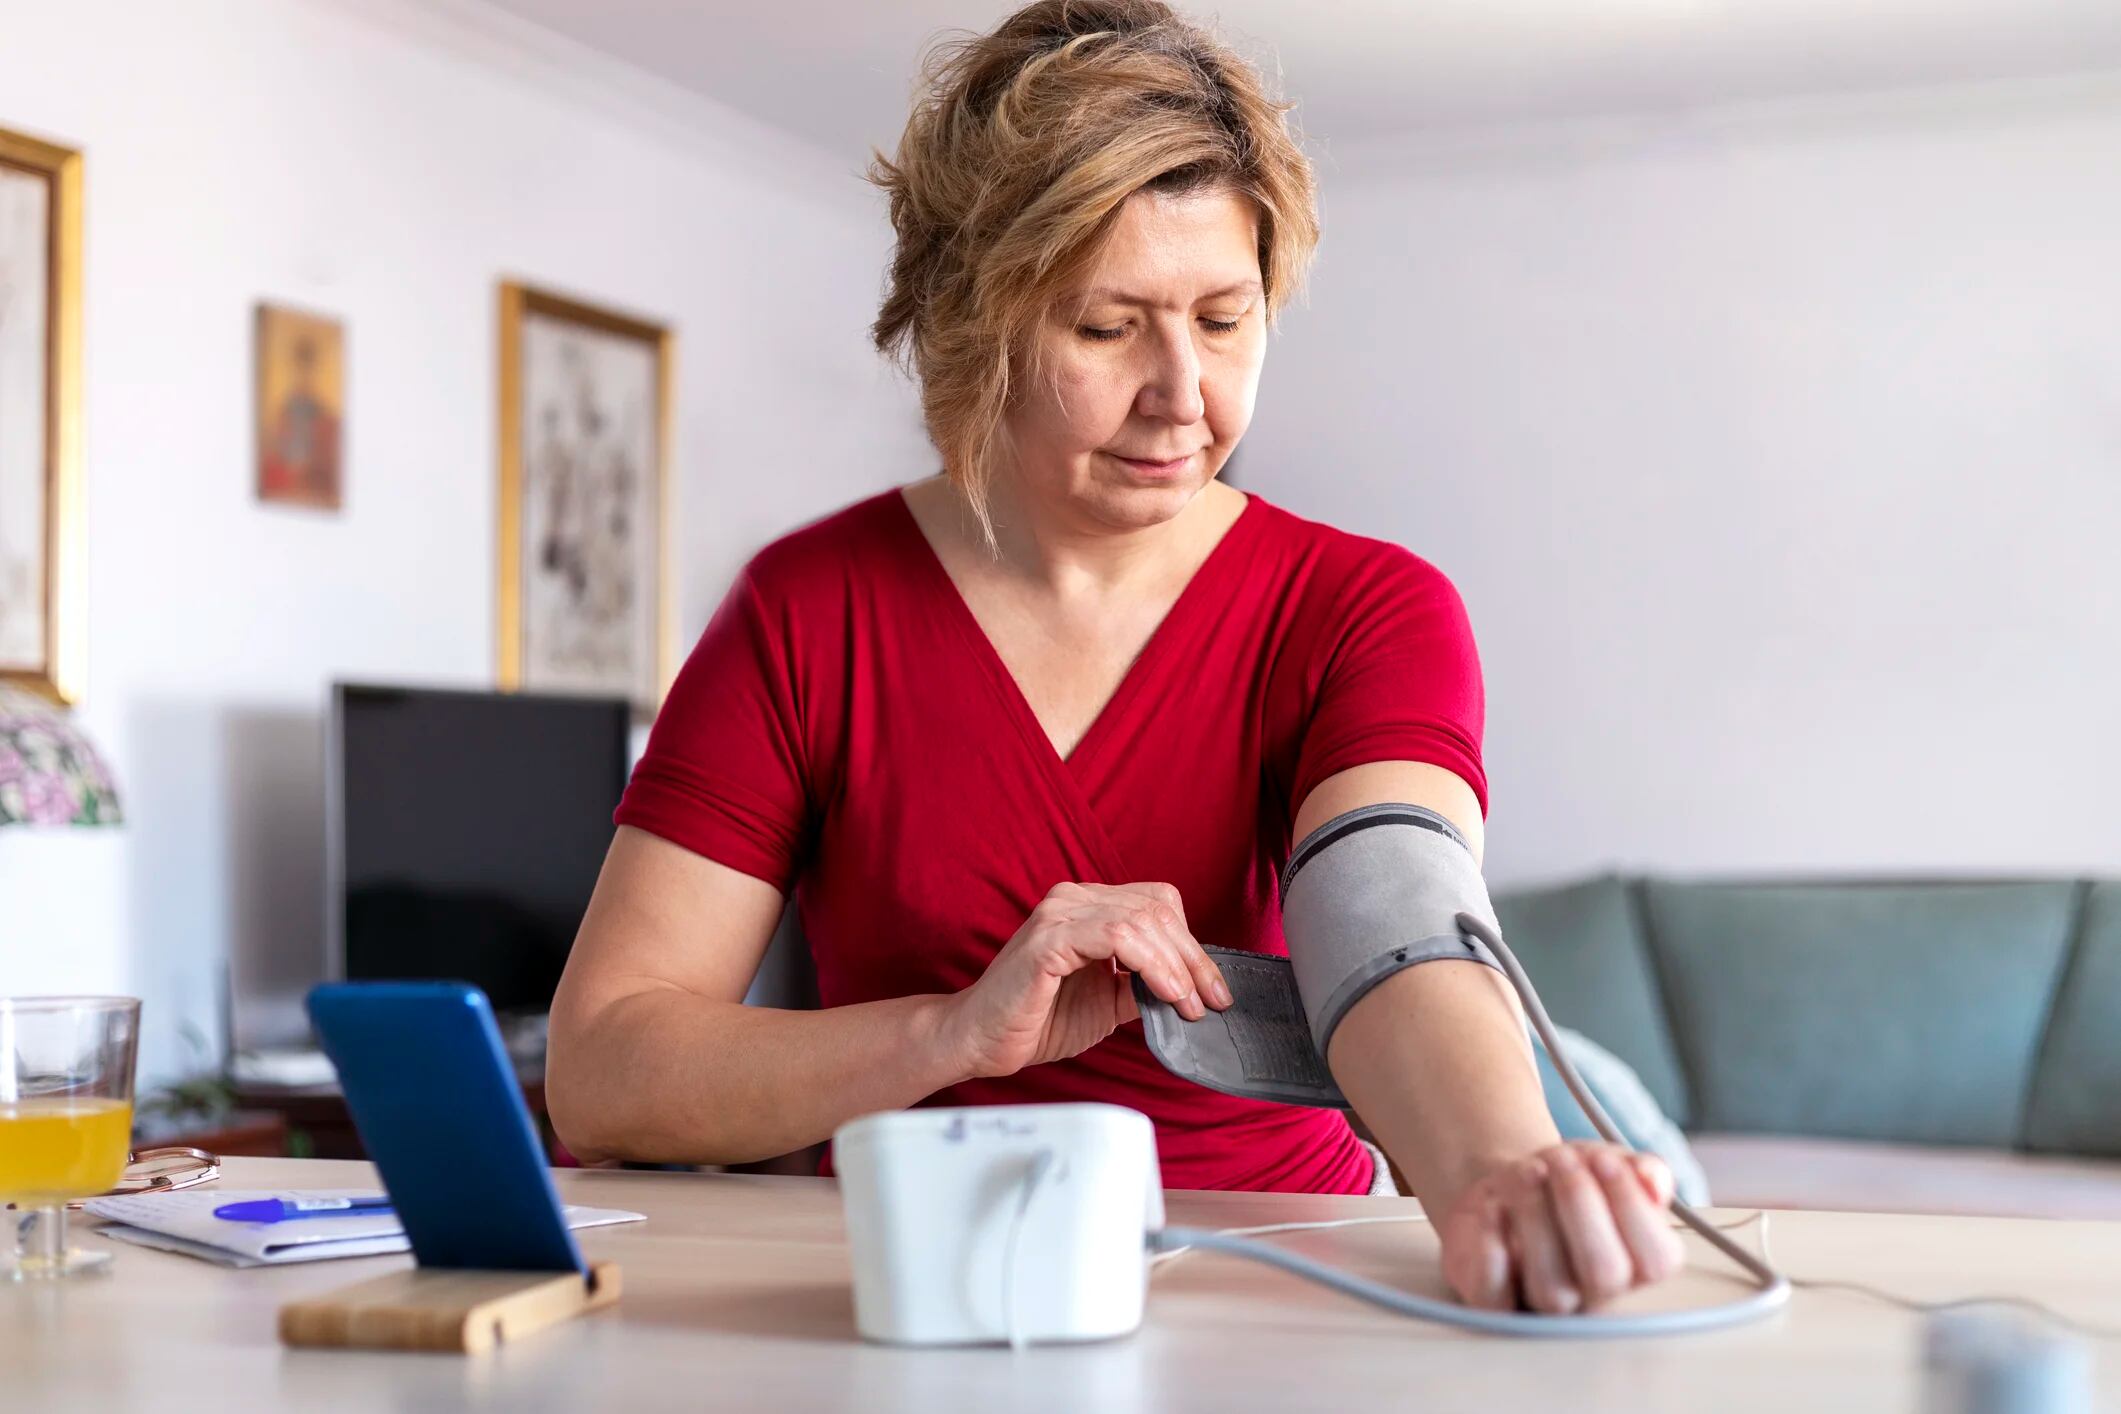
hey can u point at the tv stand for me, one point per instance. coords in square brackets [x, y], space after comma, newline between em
[298, 1085]
[319, 1127]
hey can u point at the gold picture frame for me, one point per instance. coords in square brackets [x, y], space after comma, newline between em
[43, 647]
[583, 586]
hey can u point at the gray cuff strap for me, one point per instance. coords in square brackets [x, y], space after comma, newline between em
[1367, 894]
[1371, 893]
[1259, 1049]
[1356, 985]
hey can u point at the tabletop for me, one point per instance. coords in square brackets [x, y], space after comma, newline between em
[736, 1295]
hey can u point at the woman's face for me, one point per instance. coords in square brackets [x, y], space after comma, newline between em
[1150, 366]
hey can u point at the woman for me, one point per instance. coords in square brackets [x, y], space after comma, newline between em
[1057, 714]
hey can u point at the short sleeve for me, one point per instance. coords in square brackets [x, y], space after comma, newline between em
[723, 774]
[1399, 678]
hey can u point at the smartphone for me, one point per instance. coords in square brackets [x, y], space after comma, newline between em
[440, 1111]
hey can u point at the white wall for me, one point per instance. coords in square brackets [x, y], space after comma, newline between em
[386, 162]
[1777, 453]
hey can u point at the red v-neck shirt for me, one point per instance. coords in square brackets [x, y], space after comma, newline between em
[845, 729]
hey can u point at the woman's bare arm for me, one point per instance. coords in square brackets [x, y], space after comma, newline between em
[1438, 1052]
[1436, 1061]
[653, 1054]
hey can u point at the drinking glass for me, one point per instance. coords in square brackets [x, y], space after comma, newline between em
[66, 1119]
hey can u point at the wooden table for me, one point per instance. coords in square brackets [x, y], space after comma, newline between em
[736, 1297]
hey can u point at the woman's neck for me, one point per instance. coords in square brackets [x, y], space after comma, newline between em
[1054, 549]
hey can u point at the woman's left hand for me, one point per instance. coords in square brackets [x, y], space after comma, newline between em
[1565, 1229]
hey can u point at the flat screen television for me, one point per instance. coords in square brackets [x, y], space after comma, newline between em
[464, 831]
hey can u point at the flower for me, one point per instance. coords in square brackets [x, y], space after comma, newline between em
[47, 801]
[49, 773]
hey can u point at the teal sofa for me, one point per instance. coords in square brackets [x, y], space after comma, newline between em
[1902, 1046]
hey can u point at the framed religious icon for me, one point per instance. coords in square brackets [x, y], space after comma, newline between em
[301, 407]
[42, 590]
[585, 456]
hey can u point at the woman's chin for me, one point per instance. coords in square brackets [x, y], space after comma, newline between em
[1123, 497]
[1139, 507]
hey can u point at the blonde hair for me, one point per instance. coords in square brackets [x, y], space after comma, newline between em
[1020, 151]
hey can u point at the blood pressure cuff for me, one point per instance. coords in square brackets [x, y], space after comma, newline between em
[1365, 895]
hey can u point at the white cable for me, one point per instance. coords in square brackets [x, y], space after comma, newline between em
[1034, 1174]
[1174, 1253]
[1448, 1313]
[1774, 1291]
[1931, 1308]
[2027, 1303]
[1763, 1266]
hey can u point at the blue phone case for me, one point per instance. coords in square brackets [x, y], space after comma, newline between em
[439, 1109]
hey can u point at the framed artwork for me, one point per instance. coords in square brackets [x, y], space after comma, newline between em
[585, 455]
[42, 591]
[301, 362]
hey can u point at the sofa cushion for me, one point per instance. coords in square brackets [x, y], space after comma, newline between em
[1856, 1176]
[1620, 1093]
[1907, 1012]
[1583, 948]
[2076, 1102]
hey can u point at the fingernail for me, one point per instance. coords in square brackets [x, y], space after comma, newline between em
[1607, 1165]
[1567, 1298]
[1220, 990]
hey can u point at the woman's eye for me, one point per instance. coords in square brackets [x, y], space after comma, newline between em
[1214, 326]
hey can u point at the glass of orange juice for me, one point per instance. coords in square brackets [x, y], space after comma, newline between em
[66, 1118]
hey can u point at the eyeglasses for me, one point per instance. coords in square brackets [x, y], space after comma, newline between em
[163, 1171]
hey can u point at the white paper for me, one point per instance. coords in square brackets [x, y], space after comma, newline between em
[314, 1252]
[185, 1222]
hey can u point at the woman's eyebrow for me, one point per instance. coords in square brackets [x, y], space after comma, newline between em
[1106, 295]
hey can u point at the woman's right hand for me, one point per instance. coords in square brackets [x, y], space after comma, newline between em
[1056, 988]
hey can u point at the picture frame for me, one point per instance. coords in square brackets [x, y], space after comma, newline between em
[583, 566]
[43, 592]
[301, 407]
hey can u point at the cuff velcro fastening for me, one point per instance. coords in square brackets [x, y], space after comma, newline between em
[1367, 894]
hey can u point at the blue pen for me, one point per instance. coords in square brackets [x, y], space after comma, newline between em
[273, 1210]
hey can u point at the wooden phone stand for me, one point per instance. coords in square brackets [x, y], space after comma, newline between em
[431, 1308]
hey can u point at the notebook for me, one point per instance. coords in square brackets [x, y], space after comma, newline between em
[185, 1222]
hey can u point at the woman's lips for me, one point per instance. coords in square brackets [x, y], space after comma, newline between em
[1155, 468]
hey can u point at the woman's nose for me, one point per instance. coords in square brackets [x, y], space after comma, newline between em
[1171, 390]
